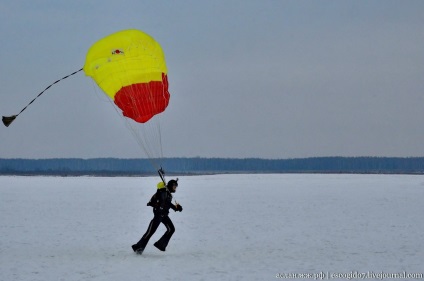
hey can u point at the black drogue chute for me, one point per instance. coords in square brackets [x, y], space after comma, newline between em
[7, 120]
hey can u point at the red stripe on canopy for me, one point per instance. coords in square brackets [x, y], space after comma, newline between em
[142, 101]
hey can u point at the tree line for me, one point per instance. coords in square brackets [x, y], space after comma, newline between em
[140, 167]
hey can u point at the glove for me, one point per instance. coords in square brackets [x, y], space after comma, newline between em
[179, 208]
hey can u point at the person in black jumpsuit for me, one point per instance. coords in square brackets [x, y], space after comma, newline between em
[161, 202]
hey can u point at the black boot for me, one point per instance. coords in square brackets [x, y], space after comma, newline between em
[160, 246]
[137, 249]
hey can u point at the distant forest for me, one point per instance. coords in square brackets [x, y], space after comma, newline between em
[193, 166]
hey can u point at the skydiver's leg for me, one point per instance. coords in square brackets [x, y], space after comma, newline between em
[164, 240]
[153, 226]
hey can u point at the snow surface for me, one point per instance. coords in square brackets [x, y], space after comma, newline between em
[233, 227]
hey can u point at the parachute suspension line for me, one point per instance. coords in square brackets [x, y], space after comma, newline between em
[7, 120]
[148, 134]
[119, 114]
[160, 140]
[141, 135]
[136, 134]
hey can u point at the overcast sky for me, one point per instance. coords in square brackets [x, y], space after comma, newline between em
[269, 79]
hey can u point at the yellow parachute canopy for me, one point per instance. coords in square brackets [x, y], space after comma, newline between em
[129, 66]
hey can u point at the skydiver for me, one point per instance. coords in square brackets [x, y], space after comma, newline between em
[161, 202]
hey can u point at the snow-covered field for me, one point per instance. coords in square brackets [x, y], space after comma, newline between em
[233, 227]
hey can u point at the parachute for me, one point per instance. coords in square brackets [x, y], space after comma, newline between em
[129, 66]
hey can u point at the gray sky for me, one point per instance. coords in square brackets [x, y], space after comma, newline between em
[269, 79]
